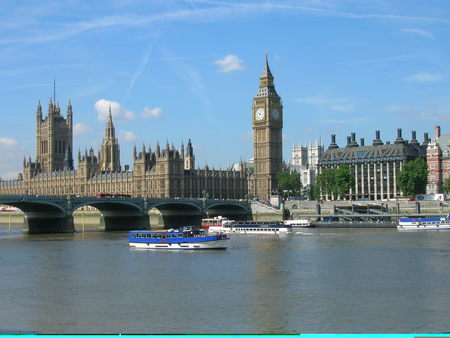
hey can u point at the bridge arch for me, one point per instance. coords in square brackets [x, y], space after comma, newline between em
[42, 215]
[117, 213]
[175, 213]
[231, 209]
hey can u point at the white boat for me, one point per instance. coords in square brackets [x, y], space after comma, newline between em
[303, 223]
[249, 227]
[413, 224]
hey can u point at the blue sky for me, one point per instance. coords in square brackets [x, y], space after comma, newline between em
[179, 70]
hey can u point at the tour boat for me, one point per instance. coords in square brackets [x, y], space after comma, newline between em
[249, 227]
[441, 223]
[301, 223]
[186, 238]
[213, 222]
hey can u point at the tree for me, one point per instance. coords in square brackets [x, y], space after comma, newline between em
[344, 180]
[412, 179]
[446, 186]
[325, 182]
[290, 182]
[335, 182]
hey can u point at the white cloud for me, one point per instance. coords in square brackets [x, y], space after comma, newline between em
[128, 136]
[81, 129]
[152, 113]
[118, 112]
[420, 32]
[424, 77]
[8, 141]
[229, 63]
[11, 154]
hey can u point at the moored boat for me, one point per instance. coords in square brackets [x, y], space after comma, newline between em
[250, 227]
[301, 223]
[412, 224]
[186, 238]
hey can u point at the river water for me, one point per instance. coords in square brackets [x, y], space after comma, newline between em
[314, 281]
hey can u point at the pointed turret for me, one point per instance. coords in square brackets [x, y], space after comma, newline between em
[182, 150]
[266, 73]
[266, 87]
[158, 150]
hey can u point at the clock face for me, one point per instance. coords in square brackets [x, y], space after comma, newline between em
[259, 115]
[275, 114]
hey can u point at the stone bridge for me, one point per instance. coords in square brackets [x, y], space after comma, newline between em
[52, 214]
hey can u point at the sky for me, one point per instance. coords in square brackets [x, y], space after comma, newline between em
[178, 70]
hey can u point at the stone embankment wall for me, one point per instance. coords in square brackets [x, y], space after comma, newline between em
[299, 208]
[264, 212]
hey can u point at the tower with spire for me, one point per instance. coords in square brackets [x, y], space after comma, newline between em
[267, 123]
[54, 138]
[110, 150]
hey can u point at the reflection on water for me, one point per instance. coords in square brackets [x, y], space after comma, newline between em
[316, 280]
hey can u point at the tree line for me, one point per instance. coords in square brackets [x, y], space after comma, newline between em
[336, 183]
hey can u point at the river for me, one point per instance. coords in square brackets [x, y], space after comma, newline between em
[314, 281]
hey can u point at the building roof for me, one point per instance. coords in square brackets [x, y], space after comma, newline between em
[381, 152]
[443, 142]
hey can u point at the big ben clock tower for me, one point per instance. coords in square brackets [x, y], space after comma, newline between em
[267, 123]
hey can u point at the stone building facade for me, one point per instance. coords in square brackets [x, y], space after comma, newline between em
[305, 161]
[54, 138]
[375, 167]
[438, 161]
[162, 173]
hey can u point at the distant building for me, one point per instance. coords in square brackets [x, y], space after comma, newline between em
[438, 160]
[162, 173]
[305, 161]
[375, 167]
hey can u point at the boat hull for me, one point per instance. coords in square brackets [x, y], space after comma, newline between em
[209, 245]
[420, 227]
[253, 231]
[214, 245]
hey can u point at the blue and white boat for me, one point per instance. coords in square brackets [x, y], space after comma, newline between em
[186, 238]
[438, 223]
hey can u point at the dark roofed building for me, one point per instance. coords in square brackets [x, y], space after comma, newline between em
[375, 167]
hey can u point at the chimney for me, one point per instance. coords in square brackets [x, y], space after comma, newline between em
[348, 140]
[353, 140]
[437, 132]
[333, 144]
[361, 141]
[425, 139]
[413, 137]
[377, 141]
[399, 139]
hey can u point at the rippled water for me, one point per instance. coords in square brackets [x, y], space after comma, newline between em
[315, 281]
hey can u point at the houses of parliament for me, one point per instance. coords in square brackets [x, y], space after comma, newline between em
[162, 172]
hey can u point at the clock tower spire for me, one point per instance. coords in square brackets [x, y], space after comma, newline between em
[267, 123]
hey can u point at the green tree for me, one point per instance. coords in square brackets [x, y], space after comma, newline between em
[290, 182]
[412, 179]
[446, 186]
[335, 182]
[344, 180]
[325, 183]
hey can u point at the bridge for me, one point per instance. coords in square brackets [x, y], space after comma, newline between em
[53, 214]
